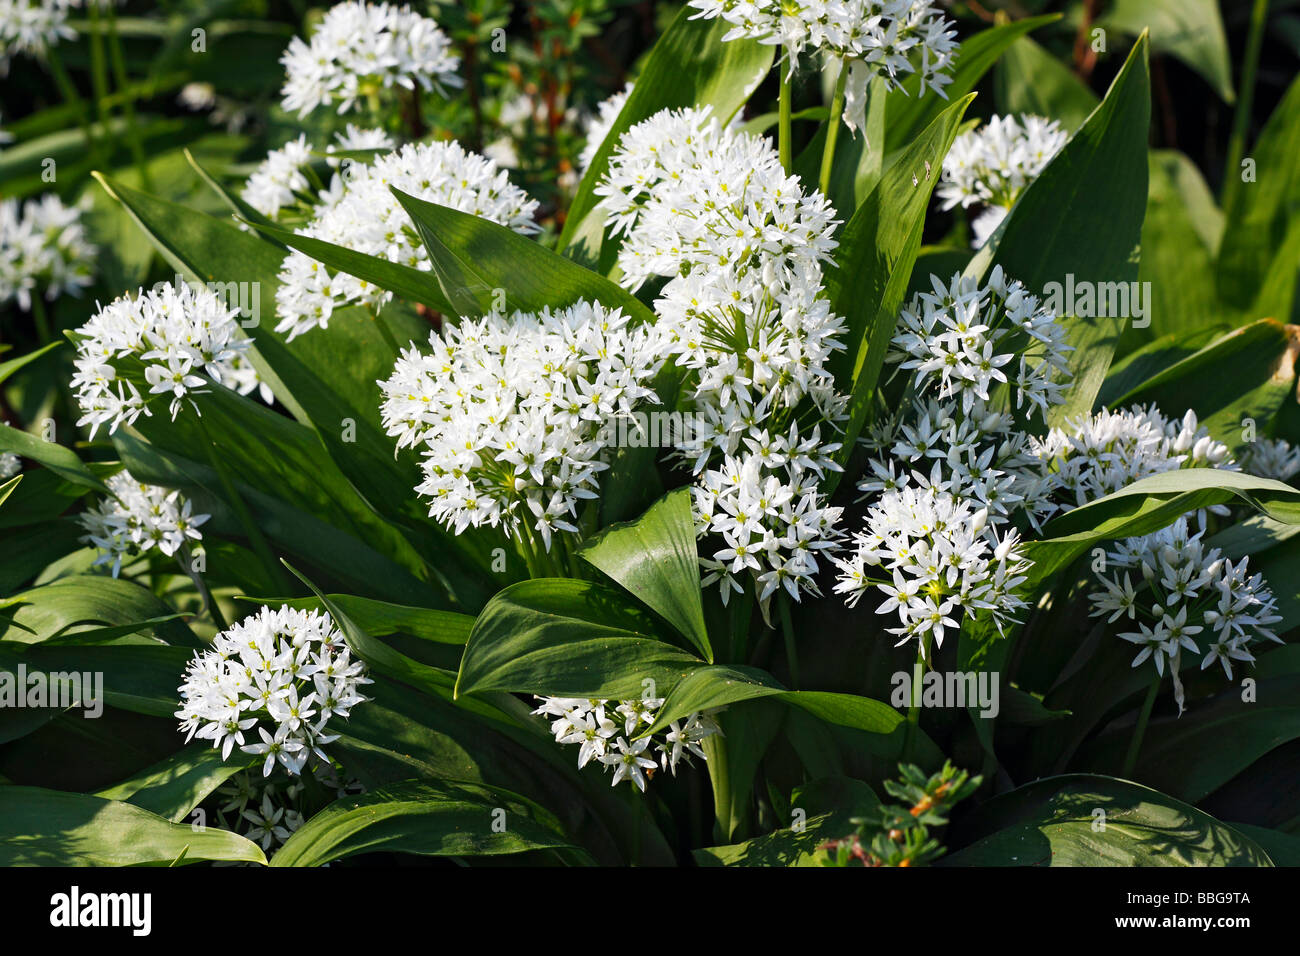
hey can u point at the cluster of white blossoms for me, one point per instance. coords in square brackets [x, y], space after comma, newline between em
[745, 313]
[606, 731]
[271, 685]
[992, 166]
[363, 215]
[137, 518]
[177, 340]
[985, 455]
[511, 413]
[282, 179]
[267, 810]
[1095, 455]
[33, 26]
[43, 245]
[893, 39]
[968, 338]
[360, 49]
[1274, 458]
[1183, 596]
[935, 555]
[597, 126]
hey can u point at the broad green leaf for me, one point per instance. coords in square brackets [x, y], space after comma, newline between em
[1031, 80]
[1282, 848]
[1262, 357]
[1150, 504]
[1191, 30]
[60, 460]
[40, 827]
[873, 265]
[1082, 217]
[1192, 755]
[380, 619]
[424, 818]
[909, 113]
[173, 787]
[568, 638]
[654, 557]
[86, 603]
[1259, 213]
[690, 65]
[1052, 822]
[476, 261]
[141, 678]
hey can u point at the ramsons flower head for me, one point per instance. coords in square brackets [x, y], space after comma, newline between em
[362, 214]
[43, 250]
[892, 39]
[284, 179]
[1176, 595]
[171, 341]
[963, 339]
[360, 49]
[32, 27]
[991, 166]
[512, 413]
[137, 518]
[605, 731]
[272, 686]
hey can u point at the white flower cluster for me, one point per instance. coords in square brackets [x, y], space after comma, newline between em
[1094, 456]
[938, 555]
[362, 214]
[606, 731]
[988, 459]
[1274, 458]
[744, 310]
[32, 27]
[284, 674]
[359, 49]
[511, 413]
[182, 339]
[1185, 596]
[597, 127]
[875, 38]
[991, 166]
[773, 522]
[280, 180]
[968, 338]
[137, 518]
[42, 245]
[267, 810]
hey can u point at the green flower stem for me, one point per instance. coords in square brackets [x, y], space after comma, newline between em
[1135, 745]
[784, 144]
[209, 602]
[833, 124]
[236, 501]
[914, 705]
[98, 67]
[787, 629]
[118, 61]
[68, 90]
[1245, 100]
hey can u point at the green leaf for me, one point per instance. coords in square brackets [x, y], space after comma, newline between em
[1262, 357]
[473, 258]
[81, 606]
[654, 557]
[1259, 214]
[568, 638]
[13, 365]
[874, 265]
[60, 460]
[1054, 822]
[1191, 30]
[689, 65]
[424, 818]
[380, 619]
[173, 787]
[41, 827]
[1083, 217]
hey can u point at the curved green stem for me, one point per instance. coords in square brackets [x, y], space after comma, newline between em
[787, 629]
[785, 146]
[1139, 731]
[833, 124]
